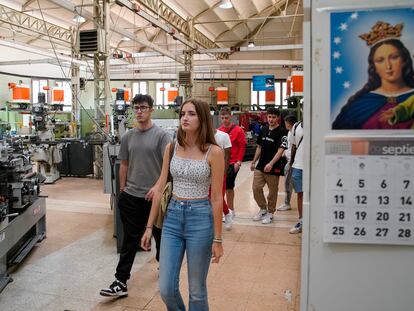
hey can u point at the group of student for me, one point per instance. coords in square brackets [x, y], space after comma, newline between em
[203, 163]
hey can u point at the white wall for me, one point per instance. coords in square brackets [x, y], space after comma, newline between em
[341, 277]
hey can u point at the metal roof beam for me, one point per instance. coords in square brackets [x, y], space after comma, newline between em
[250, 19]
[255, 49]
[165, 12]
[155, 22]
[28, 22]
[71, 7]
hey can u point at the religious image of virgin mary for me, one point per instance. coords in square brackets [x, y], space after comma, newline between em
[389, 91]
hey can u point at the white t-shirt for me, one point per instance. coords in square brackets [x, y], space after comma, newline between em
[297, 136]
[222, 139]
[288, 151]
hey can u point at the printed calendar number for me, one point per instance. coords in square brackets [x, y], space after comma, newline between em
[404, 233]
[338, 230]
[339, 199]
[383, 216]
[406, 201]
[381, 232]
[339, 215]
[406, 183]
[383, 200]
[360, 231]
[404, 217]
[360, 215]
[361, 199]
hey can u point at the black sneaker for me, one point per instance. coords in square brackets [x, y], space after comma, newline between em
[116, 289]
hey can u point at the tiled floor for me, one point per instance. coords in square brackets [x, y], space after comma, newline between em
[65, 272]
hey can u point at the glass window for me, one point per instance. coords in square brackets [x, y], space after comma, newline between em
[143, 87]
[159, 94]
[284, 91]
[253, 97]
[139, 88]
[278, 94]
[161, 98]
[167, 85]
[67, 99]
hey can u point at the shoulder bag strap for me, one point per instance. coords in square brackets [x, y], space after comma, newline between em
[172, 147]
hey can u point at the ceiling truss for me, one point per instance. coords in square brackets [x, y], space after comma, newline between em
[28, 22]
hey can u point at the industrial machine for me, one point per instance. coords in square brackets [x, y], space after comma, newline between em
[120, 108]
[47, 156]
[20, 96]
[22, 211]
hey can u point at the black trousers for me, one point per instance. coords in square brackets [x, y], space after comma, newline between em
[134, 213]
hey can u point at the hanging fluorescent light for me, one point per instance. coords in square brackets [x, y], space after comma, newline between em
[225, 4]
[125, 39]
[251, 44]
[79, 19]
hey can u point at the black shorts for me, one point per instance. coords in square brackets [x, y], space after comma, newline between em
[231, 177]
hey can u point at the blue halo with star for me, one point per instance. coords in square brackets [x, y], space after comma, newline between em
[349, 53]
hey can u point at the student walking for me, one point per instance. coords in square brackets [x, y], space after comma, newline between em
[290, 120]
[141, 156]
[271, 143]
[238, 148]
[193, 222]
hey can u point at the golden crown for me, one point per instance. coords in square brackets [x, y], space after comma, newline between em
[381, 31]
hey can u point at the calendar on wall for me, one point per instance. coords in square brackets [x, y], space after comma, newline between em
[369, 191]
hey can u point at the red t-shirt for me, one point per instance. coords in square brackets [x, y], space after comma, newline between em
[238, 142]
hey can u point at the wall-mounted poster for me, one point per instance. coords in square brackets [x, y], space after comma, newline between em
[263, 83]
[372, 75]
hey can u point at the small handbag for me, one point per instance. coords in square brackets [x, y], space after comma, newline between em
[166, 193]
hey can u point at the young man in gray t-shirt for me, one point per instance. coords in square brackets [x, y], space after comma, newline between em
[141, 154]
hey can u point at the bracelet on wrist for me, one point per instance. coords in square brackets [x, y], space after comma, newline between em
[218, 240]
[148, 227]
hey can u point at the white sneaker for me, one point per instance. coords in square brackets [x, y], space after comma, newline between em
[284, 207]
[260, 215]
[297, 228]
[233, 213]
[223, 219]
[267, 219]
[228, 221]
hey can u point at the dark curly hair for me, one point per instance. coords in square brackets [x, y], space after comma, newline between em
[141, 98]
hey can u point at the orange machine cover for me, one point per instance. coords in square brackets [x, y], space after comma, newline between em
[172, 94]
[21, 93]
[58, 95]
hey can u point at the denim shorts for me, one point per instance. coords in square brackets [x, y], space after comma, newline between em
[297, 179]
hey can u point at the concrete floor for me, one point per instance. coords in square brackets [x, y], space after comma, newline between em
[67, 270]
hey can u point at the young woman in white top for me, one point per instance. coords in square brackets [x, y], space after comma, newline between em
[192, 225]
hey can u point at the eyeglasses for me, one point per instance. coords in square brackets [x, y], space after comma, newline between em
[141, 108]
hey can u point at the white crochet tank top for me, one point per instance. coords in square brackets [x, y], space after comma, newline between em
[191, 178]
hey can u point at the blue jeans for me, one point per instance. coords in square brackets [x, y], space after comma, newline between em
[188, 227]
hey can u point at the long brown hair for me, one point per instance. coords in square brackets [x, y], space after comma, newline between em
[374, 80]
[205, 131]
